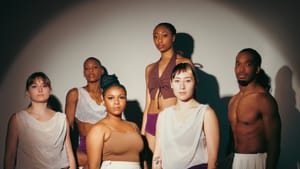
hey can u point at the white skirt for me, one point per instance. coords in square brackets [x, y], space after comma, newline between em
[257, 161]
[120, 165]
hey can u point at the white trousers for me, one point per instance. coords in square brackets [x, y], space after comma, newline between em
[120, 165]
[249, 161]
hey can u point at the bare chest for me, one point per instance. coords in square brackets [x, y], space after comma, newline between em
[244, 111]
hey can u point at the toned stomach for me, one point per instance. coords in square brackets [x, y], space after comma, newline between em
[83, 128]
[157, 106]
[249, 139]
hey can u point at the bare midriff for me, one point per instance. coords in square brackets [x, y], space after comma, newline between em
[83, 128]
[247, 124]
[249, 139]
[157, 106]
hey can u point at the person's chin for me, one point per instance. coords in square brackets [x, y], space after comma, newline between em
[243, 82]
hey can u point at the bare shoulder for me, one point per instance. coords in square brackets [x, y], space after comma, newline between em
[262, 102]
[12, 123]
[265, 96]
[13, 118]
[232, 100]
[72, 93]
[100, 129]
[181, 59]
[99, 132]
[210, 112]
[133, 125]
[266, 100]
[100, 126]
[209, 109]
[149, 67]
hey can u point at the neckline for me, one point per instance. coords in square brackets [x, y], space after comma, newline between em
[166, 68]
[188, 114]
[39, 121]
[90, 98]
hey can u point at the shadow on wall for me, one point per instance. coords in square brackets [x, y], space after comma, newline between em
[30, 17]
[207, 91]
[55, 104]
[290, 116]
[134, 113]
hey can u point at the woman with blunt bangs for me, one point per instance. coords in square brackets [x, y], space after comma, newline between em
[187, 135]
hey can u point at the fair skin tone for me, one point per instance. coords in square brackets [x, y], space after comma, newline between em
[183, 86]
[39, 94]
[253, 114]
[163, 40]
[115, 102]
[92, 72]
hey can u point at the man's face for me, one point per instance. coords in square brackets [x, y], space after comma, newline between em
[245, 69]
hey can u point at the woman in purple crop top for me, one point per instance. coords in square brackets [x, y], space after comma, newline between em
[159, 94]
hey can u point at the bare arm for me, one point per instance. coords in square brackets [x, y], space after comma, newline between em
[94, 144]
[181, 59]
[71, 158]
[147, 104]
[230, 146]
[211, 130]
[11, 143]
[157, 161]
[272, 126]
[70, 108]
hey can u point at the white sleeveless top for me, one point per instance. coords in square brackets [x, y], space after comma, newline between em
[87, 109]
[41, 144]
[183, 144]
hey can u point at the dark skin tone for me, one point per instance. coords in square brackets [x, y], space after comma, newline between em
[115, 101]
[253, 114]
[92, 72]
[163, 40]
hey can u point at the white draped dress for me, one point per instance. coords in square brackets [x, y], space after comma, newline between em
[183, 142]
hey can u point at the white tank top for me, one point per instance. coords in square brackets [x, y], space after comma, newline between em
[87, 109]
[183, 144]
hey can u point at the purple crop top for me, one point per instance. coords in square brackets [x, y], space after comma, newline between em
[162, 84]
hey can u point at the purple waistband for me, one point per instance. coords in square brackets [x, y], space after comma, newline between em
[200, 166]
[82, 144]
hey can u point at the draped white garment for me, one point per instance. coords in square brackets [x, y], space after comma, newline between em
[87, 109]
[244, 161]
[183, 143]
[41, 144]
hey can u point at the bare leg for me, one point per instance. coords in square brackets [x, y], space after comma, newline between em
[151, 141]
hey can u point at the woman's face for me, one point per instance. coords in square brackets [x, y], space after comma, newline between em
[183, 86]
[163, 38]
[115, 100]
[92, 70]
[38, 91]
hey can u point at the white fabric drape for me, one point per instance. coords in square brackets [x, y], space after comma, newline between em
[183, 143]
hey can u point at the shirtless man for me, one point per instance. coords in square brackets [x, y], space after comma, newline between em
[253, 116]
